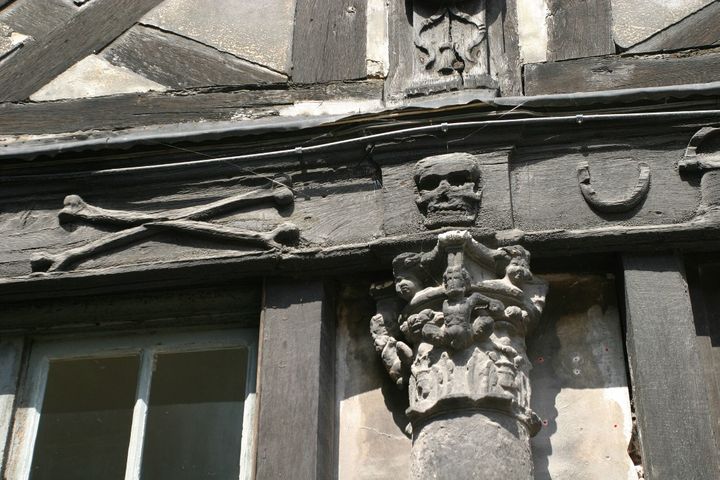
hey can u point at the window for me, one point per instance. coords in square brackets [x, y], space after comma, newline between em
[174, 406]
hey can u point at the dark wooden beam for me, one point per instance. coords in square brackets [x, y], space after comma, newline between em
[90, 30]
[699, 29]
[179, 62]
[235, 304]
[616, 72]
[329, 41]
[579, 29]
[703, 274]
[139, 110]
[37, 18]
[295, 435]
[671, 399]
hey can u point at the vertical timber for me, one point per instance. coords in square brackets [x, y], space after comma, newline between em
[296, 382]
[671, 399]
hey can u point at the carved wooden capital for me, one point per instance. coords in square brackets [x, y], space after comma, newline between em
[453, 332]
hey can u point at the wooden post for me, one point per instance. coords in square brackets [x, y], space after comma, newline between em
[11, 350]
[296, 382]
[671, 400]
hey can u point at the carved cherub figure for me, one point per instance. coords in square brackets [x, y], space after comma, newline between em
[407, 276]
[459, 307]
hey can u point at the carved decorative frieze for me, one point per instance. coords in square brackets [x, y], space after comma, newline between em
[451, 38]
[614, 205]
[453, 332]
[134, 227]
[703, 156]
[449, 189]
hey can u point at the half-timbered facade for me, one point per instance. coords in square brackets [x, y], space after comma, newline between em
[359, 239]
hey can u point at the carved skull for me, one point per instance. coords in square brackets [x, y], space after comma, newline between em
[449, 189]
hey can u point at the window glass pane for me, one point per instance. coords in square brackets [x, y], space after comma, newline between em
[85, 420]
[194, 421]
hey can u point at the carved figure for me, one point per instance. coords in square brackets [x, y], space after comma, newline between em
[451, 38]
[137, 226]
[464, 339]
[449, 189]
[455, 336]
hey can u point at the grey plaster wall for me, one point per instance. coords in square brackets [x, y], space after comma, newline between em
[579, 389]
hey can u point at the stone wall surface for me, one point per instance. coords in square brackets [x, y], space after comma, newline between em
[578, 379]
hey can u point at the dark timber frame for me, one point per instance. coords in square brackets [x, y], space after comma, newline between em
[297, 324]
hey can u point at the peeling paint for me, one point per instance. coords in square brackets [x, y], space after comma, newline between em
[333, 107]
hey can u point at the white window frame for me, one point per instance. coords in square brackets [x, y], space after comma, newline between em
[147, 345]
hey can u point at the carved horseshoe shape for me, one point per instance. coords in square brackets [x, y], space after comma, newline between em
[614, 205]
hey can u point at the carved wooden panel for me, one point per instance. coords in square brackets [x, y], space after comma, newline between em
[441, 46]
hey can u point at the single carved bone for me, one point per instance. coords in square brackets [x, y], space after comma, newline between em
[77, 209]
[142, 225]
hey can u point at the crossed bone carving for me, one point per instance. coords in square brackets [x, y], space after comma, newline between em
[136, 226]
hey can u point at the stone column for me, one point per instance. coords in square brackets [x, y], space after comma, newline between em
[453, 333]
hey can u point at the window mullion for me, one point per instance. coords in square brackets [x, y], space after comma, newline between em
[247, 452]
[137, 431]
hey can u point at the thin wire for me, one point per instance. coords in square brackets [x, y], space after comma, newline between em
[242, 169]
[579, 119]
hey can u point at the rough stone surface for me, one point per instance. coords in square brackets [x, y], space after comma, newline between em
[580, 385]
[490, 445]
[588, 415]
[93, 77]
[372, 443]
[532, 29]
[260, 32]
[635, 21]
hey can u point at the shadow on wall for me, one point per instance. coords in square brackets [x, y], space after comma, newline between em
[579, 388]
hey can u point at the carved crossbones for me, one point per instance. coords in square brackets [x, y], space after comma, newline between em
[140, 225]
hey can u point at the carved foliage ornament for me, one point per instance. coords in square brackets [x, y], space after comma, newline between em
[452, 328]
[449, 189]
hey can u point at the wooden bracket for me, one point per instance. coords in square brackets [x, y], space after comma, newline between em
[618, 205]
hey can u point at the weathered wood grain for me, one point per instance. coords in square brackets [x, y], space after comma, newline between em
[329, 41]
[579, 29]
[296, 382]
[504, 53]
[504, 45]
[611, 73]
[136, 110]
[401, 48]
[180, 62]
[37, 18]
[237, 304]
[89, 30]
[401, 214]
[670, 395]
[547, 193]
[11, 350]
[699, 29]
[703, 275]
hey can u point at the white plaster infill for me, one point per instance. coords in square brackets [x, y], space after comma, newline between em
[94, 76]
[532, 30]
